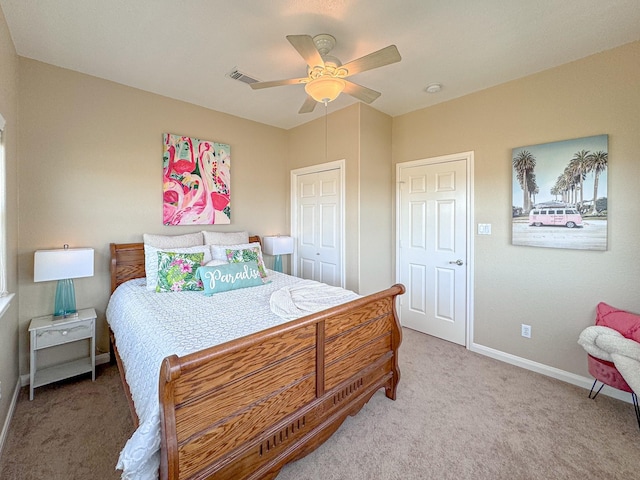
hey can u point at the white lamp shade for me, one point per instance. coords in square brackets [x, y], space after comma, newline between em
[279, 245]
[61, 264]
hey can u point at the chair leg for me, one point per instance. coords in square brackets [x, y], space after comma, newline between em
[594, 386]
[634, 397]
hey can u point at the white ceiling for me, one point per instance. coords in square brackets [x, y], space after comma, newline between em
[183, 49]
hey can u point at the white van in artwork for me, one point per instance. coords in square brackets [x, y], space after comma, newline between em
[562, 216]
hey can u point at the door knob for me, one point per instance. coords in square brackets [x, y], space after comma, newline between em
[458, 262]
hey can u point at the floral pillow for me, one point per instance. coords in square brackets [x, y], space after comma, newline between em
[177, 271]
[253, 254]
[151, 260]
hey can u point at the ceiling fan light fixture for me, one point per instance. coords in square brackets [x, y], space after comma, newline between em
[325, 89]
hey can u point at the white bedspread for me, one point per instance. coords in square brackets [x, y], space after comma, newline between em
[150, 326]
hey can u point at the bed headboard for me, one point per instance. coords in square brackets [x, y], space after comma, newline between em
[127, 261]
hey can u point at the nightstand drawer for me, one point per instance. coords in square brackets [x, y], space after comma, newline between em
[64, 333]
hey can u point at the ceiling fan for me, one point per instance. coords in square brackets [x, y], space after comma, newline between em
[326, 76]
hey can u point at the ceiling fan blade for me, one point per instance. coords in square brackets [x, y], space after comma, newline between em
[377, 59]
[307, 49]
[308, 105]
[277, 83]
[363, 94]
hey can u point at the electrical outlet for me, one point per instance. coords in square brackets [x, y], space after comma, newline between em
[526, 331]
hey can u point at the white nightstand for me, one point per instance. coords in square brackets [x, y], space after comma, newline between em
[46, 333]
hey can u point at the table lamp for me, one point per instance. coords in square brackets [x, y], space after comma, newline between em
[277, 246]
[63, 265]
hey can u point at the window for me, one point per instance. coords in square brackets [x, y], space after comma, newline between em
[5, 297]
[3, 232]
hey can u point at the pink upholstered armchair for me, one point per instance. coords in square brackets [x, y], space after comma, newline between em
[605, 371]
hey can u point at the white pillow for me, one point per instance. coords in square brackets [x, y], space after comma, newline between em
[173, 241]
[225, 238]
[151, 260]
[216, 263]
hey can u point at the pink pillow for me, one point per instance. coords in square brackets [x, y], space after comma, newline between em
[627, 323]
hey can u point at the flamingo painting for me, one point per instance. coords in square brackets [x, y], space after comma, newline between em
[196, 181]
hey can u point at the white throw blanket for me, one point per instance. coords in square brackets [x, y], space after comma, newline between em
[608, 344]
[307, 297]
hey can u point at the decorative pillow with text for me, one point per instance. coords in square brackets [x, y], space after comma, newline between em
[231, 276]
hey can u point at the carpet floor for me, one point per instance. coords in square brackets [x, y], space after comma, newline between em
[458, 415]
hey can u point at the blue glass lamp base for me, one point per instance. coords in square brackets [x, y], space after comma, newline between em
[65, 303]
[277, 263]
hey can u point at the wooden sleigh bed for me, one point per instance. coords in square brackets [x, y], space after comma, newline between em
[245, 408]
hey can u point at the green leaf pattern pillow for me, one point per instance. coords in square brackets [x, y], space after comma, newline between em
[248, 255]
[177, 271]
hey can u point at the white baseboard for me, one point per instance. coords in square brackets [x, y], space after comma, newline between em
[7, 420]
[552, 372]
[100, 359]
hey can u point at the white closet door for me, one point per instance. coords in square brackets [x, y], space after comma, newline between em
[318, 205]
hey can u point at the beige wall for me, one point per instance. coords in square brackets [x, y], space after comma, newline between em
[553, 290]
[91, 174]
[376, 201]
[9, 321]
[362, 137]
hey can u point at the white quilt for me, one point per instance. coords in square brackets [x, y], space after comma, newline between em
[150, 326]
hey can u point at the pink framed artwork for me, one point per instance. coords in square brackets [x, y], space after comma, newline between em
[196, 181]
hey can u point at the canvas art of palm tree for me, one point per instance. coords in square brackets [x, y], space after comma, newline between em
[559, 196]
[196, 181]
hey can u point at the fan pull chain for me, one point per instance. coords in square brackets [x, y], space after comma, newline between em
[326, 134]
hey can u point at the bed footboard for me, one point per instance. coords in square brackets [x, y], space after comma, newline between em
[243, 409]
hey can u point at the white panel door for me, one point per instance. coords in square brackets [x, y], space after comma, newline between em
[319, 207]
[432, 248]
